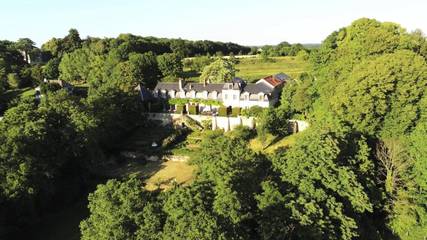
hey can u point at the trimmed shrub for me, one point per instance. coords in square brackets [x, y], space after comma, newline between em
[235, 111]
[254, 111]
[223, 111]
[180, 109]
[193, 109]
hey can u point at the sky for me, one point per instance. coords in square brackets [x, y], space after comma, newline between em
[247, 22]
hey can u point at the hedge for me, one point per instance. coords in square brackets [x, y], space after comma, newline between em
[193, 109]
[223, 111]
[235, 111]
[180, 109]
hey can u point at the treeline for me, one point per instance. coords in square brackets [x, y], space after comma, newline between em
[283, 49]
[358, 172]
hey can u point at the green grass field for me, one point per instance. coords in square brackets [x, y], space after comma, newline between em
[254, 68]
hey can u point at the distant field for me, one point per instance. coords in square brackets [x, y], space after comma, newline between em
[254, 68]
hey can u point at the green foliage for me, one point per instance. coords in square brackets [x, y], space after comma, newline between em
[41, 147]
[197, 63]
[13, 80]
[242, 132]
[223, 111]
[122, 210]
[274, 121]
[298, 96]
[221, 70]
[236, 172]
[170, 64]
[180, 109]
[321, 190]
[190, 215]
[193, 109]
[254, 111]
[235, 111]
[74, 66]
[382, 95]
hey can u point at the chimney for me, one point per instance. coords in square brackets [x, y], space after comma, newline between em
[181, 84]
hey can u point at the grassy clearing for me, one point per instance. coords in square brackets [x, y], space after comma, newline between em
[254, 68]
[272, 143]
[170, 172]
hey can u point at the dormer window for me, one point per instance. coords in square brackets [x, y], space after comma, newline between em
[230, 86]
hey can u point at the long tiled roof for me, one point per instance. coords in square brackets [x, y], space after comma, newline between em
[253, 88]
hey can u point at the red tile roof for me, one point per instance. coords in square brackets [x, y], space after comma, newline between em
[273, 81]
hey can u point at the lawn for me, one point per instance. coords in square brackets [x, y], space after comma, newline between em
[254, 68]
[168, 173]
[272, 143]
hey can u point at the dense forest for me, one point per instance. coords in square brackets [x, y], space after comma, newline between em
[358, 172]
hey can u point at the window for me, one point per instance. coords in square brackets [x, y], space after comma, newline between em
[261, 97]
[225, 96]
[234, 97]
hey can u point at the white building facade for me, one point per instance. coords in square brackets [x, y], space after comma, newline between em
[237, 93]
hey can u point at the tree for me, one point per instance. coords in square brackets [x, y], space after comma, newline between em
[179, 47]
[75, 66]
[319, 190]
[122, 210]
[25, 45]
[72, 41]
[51, 69]
[190, 216]
[145, 68]
[383, 94]
[170, 64]
[274, 121]
[221, 70]
[235, 171]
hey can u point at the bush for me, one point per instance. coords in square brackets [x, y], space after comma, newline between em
[13, 80]
[223, 111]
[207, 124]
[49, 87]
[254, 111]
[235, 111]
[193, 109]
[180, 109]
[243, 132]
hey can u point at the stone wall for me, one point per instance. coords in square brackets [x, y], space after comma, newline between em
[225, 123]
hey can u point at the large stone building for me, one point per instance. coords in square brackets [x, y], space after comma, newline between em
[236, 93]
